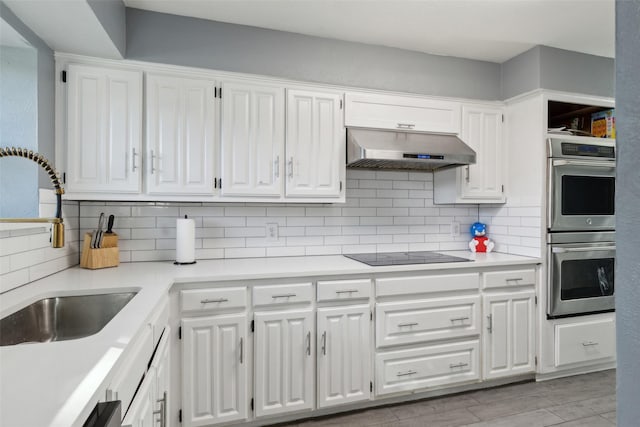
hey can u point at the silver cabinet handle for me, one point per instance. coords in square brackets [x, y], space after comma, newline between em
[467, 174]
[153, 162]
[402, 325]
[458, 365]
[134, 166]
[605, 164]
[404, 374]
[276, 167]
[589, 343]
[347, 291]
[209, 301]
[513, 279]
[490, 323]
[290, 166]
[458, 319]
[324, 343]
[241, 350]
[309, 343]
[162, 411]
[283, 296]
[405, 126]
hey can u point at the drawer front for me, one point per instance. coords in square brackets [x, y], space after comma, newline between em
[344, 289]
[423, 284]
[213, 299]
[425, 320]
[505, 279]
[585, 342]
[282, 294]
[408, 370]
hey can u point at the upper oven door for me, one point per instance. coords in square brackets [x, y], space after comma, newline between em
[581, 195]
[581, 278]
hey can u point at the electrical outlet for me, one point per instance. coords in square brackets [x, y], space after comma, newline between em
[455, 229]
[272, 232]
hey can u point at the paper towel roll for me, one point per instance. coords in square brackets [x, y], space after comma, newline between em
[185, 240]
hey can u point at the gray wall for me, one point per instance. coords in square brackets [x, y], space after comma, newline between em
[171, 39]
[628, 210]
[46, 76]
[112, 17]
[557, 69]
[18, 128]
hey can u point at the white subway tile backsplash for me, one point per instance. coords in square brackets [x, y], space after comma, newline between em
[223, 243]
[420, 176]
[154, 211]
[284, 251]
[323, 231]
[305, 241]
[342, 240]
[245, 252]
[245, 232]
[341, 220]
[244, 211]
[376, 239]
[322, 250]
[394, 247]
[392, 194]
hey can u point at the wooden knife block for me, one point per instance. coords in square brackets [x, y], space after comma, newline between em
[106, 256]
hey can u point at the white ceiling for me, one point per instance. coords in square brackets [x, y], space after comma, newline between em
[491, 30]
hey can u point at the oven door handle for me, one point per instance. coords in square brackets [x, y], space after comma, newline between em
[591, 249]
[606, 164]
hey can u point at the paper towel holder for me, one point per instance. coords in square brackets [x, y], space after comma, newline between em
[184, 263]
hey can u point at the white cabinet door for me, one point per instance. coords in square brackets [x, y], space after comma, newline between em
[181, 126]
[214, 370]
[482, 131]
[161, 365]
[482, 182]
[315, 144]
[252, 140]
[417, 113]
[284, 370]
[140, 413]
[104, 133]
[344, 354]
[509, 334]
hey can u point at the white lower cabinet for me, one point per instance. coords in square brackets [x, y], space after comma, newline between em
[284, 363]
[585, 341]
[419, 368]
[344, 354]
[150, 407]
[509, 334]
[214, 369]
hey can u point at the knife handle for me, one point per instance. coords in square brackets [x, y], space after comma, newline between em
[110, 224]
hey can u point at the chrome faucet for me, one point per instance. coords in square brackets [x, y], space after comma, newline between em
[57, 228]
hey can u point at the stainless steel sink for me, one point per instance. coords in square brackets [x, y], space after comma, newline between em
[61, 318]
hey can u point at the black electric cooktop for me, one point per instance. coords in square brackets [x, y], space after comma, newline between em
[404, 258]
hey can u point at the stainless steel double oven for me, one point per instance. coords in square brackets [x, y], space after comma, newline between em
[581, 226]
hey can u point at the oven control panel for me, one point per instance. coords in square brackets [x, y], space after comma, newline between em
[588, 150]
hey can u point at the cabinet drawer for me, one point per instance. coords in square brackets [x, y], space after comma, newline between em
[425, 320]
[401, 112]
[213, 299]
[422, 284]
[510, 278]
[585, 341]
[408, 370]
[344, 289]
[282, 294]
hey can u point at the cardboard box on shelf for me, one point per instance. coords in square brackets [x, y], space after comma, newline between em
[603, 124]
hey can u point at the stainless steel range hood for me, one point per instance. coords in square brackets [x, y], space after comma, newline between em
[392, 149]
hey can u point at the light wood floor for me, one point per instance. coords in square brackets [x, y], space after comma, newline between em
[579, 401]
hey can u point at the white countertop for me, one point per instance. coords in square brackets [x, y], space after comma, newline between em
[58, 383]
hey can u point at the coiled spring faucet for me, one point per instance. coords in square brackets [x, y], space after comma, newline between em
[57, 229]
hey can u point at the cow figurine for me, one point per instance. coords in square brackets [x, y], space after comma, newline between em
[480, 242]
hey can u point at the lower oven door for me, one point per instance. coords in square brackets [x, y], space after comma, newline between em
[581, 278]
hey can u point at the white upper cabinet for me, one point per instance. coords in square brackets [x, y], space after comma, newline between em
[401, 112]
[104, 119]
[483, 181]
[181, 135]
[315, 144]
[252, 139]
